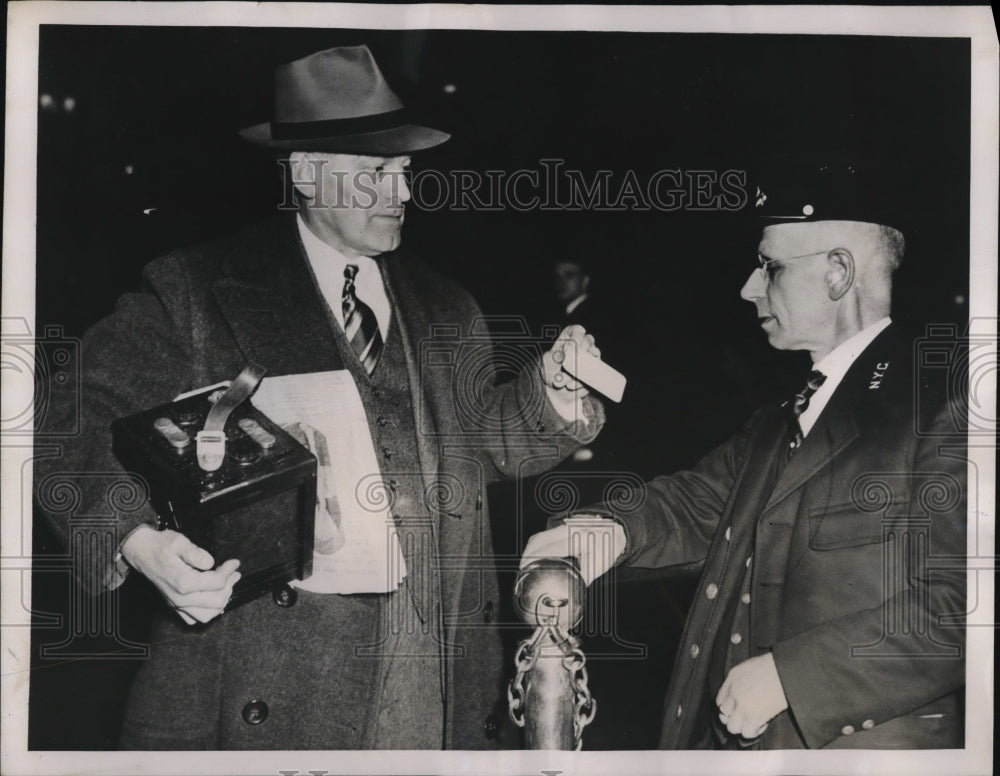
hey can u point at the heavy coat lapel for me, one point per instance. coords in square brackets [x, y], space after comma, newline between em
[843, 419]
[774, 526]
[413, 320]
[269, 298]
[835, 429]
[838, 430]
[273, 306]
[757, 483]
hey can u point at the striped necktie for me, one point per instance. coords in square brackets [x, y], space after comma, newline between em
[799, 405]
[360, 324]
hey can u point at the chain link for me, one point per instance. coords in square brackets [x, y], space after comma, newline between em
[585, 706]
[524, 659]
[574, 661]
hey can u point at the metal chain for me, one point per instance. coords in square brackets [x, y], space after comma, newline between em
[525, 659]
[574, 661]
[585, 706]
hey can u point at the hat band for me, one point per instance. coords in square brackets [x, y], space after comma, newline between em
[310, 130]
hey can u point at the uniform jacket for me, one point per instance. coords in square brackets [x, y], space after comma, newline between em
[857, 584]
[205, 312]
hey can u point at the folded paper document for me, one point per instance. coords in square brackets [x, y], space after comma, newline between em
[356, 549]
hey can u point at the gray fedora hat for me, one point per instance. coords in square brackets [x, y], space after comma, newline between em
[337, 100]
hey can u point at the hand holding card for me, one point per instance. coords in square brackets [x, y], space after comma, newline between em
[593, 372]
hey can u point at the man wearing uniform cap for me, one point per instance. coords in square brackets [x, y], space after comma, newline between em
[325, 288]
[829, 533]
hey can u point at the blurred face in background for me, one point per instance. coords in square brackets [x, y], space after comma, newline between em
[569, 281]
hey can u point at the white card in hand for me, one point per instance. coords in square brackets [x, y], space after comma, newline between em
[594, 373]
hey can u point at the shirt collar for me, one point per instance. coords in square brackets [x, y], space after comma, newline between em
[322, 252]
[836, 363]
[575, 303]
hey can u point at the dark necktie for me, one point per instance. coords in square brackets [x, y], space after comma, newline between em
[360, 324]
[799, 405]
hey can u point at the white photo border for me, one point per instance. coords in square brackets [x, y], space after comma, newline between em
[24, 20]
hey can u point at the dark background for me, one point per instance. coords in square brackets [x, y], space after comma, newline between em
[152, 126]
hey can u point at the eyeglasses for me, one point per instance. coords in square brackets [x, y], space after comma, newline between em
[764, 267]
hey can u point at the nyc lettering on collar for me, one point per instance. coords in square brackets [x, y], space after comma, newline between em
[876, 379]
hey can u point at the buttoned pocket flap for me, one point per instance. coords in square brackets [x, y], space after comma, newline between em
[837, 527]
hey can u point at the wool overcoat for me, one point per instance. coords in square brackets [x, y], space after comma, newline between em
[855, 555]
[204, 312]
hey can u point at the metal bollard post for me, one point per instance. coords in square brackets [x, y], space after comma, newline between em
[549, 695]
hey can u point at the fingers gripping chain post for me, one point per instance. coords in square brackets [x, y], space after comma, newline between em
[549, 696]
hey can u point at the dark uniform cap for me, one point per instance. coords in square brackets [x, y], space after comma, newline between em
[832, 188]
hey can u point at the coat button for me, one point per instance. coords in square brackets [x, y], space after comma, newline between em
[736, 638]
[392, 485]
[479, 502]
[255, 712]
[488, 612]
[490, 727]
[711, 591]
[380, 421]
[847, 730]
[387, 452]
[868, 724]
[745, 598]
[284, 596]
[695, 650]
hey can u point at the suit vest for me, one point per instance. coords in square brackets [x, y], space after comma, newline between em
[409, 640]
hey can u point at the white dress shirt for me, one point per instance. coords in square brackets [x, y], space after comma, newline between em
[835, 365]
[328, 265]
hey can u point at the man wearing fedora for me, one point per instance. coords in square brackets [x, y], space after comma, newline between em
[830, 532]
[324, 288]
